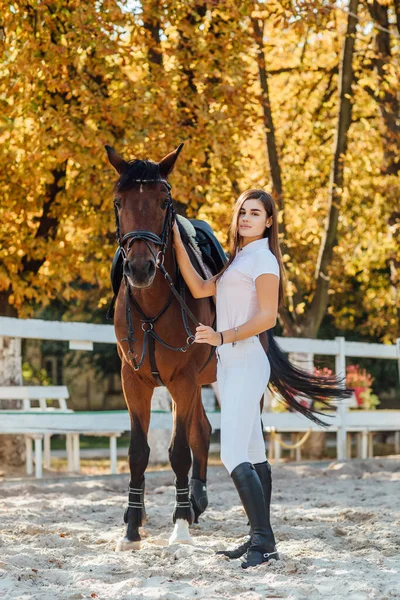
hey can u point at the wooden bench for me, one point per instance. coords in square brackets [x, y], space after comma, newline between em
[41, 394]
[36, 398]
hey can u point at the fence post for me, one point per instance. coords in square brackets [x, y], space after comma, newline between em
[38, 456]
[47, 450]
[70, 452]
[341, 437]
[113, 452]
[29, 455]
[76, 452]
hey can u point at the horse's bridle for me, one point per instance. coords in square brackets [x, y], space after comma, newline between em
[148, 322]
[148, 236]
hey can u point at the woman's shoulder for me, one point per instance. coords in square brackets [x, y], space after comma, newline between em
[265, 261]
[265, 254]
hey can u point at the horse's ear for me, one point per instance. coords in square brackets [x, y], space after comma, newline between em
[168, 162]
[116, 160]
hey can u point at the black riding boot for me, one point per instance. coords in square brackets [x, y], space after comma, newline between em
[264, 473]
[262, 546]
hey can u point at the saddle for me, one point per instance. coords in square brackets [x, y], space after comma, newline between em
[198, 238]
[212, 253]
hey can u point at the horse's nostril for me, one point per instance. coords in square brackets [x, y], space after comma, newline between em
[151, 267]
[127, 268]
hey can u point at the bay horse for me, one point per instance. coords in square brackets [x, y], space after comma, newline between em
[155, 343]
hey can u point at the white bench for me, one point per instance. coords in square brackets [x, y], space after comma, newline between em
[37, 424]
[41, 395]
[36, 393]
[35, 398]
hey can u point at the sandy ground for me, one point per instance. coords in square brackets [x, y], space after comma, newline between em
[337, 526]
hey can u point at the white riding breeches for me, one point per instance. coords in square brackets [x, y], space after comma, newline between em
[243, 373]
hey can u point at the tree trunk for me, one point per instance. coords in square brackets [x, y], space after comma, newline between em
[319, 302]
[269, 129]
[308, 323]
[152, 23]
[389, 107]
[12, 447]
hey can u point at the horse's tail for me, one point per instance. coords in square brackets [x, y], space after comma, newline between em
[288, 381]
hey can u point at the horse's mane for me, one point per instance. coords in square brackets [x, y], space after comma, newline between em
[138, 169]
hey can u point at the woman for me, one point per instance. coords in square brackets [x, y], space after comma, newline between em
[248, 291]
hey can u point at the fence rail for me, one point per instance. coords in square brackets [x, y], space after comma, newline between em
[88, 332]
[83, 335]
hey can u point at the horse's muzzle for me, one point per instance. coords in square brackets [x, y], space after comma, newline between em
[140, 272]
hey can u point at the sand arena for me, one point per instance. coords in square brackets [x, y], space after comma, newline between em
[337, 526]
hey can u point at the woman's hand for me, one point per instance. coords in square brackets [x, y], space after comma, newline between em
[207, 335]
[176, 238]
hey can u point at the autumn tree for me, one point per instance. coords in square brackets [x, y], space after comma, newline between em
[326, 185]
[57, 90]
[297, 97]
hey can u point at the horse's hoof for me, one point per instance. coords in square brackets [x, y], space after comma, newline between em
[124, 544]
[181, 534]
[174, 540]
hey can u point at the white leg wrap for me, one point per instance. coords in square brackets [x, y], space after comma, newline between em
[180, 534]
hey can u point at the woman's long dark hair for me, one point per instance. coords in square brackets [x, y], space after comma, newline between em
[270, 233]
[294, 386]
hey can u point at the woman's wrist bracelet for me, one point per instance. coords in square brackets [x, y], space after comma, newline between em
[222, 337]
[235, 330]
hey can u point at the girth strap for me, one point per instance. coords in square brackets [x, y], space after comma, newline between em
[153, 366]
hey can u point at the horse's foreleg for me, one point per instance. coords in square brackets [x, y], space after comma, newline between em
[138, 398]
[181, 460]
[199, 441]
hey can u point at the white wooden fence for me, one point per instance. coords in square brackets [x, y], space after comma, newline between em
[82, 336]
[37, 425]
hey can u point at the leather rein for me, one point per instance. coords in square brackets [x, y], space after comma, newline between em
[148, 322]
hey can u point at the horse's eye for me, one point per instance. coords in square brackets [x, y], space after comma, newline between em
[117, 203]
[164, 204]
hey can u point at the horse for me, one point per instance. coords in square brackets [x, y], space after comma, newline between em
[155, 342]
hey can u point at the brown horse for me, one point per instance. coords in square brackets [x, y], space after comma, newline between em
[155, 342]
